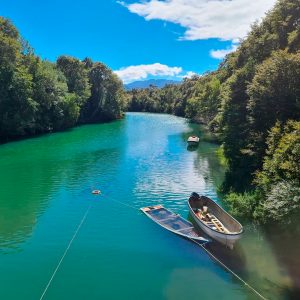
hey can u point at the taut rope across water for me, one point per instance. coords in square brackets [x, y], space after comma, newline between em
[135, 208]
[231, 271]
[211, 255]
[66, 251]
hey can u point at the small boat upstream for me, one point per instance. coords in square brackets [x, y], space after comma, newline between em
[193, 140]
[173, 222]
[214, 220]
[96, 192]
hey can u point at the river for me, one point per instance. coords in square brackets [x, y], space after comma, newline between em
[118, 253]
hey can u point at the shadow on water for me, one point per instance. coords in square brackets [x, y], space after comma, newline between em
[144, 159]
[286, 248]
[267, 260]
[234, 258]
[192, 148]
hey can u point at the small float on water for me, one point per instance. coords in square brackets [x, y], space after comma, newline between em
[173, 222]
[214, 220]
[193, 140]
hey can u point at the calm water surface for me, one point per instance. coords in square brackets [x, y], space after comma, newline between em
[45, 186]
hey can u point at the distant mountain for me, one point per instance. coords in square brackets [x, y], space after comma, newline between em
[146, 83]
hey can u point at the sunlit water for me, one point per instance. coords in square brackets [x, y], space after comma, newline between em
[45, 190]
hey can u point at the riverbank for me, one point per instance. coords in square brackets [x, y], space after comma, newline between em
[39, 135]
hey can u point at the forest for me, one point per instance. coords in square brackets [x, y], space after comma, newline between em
[38, 96]
[252, 106]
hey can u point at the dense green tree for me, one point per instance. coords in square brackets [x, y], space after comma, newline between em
[235, 129]
[274, 95]
[19, 107]
[282, 204]
[253, 88]
[16, 104]
[203, 106]
[107, 95]
[147, 100]
[252, 103]
[58, 109]
[282, 161]
[38, 96]
[277, 197]
[77, 77]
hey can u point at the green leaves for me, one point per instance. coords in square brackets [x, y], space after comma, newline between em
[107, 97]
[38, 96]
[204, 104]
[282, 204]
[77, 77]
[275, 91]
[242, 205]
[252, 102]
[282, 161]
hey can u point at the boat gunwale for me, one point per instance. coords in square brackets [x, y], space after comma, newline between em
[193, 139]
[219, 232]
[200, 238]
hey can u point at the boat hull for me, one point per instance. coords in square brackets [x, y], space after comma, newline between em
[193, 144]
[227, 239]
[193, 141]
[173, 223]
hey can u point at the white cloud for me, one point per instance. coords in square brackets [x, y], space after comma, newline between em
[139, 72]
[220, 54]
[188, 74]
[204, 19]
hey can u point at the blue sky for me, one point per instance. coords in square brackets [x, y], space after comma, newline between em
[137, 39]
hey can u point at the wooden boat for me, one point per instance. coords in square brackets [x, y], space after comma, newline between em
[173, 222]
[193, 140]
[214, 220]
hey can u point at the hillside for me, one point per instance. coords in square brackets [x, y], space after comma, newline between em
[252, 104]
[37, 96]
[160, 83]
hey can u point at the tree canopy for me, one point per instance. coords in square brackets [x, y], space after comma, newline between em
[254, 89]
[38, 96]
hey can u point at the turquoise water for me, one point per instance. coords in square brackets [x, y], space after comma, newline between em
[118, 253]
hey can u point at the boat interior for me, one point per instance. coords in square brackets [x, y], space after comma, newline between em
[210, 220]
[171, 220]
[213, 216]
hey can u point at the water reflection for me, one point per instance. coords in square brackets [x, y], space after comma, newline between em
[268, 260]
[253, 259]
[142, 160]
[286, 248]
[35, 172]
[192, 148]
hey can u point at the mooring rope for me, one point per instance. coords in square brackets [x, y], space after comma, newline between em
[211, 255]
[135, 208]
[122, 203]
[66, 251]
[229, 270]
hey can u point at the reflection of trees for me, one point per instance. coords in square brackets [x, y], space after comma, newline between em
[25, 187]
[267, 260]
[206, 161]
[34, 171]
[208, 164]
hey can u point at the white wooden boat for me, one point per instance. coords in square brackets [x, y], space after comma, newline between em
[214, 220]
[173, 222]
[193, 140]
